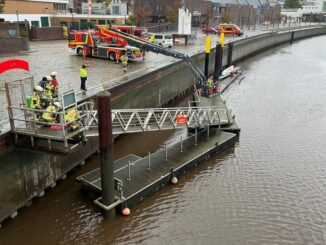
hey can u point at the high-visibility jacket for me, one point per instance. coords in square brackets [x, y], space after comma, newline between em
[70, 117]
[47, 115]
[152, 38]
[209, 82]
[124, 59]
[83, 72]
[49, 88]
[36, 101]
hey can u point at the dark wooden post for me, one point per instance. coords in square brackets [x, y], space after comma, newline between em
[218, 61]
[106, 149]
[207, 52]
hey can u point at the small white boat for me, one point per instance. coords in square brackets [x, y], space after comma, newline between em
[228, 71]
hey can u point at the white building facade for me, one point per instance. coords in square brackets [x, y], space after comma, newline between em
[314, 7]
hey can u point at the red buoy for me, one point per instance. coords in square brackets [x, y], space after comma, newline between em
[125, 211]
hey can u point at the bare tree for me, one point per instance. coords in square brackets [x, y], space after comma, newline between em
[225, 17]
[171, 12]
[140, 12]
[2, 5]
[141, 16]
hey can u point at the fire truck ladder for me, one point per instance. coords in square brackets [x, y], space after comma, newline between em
[153, 119]
[152, 47]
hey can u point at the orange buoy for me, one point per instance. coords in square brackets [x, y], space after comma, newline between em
[126, 211]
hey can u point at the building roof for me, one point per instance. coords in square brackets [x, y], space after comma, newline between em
[255, 3]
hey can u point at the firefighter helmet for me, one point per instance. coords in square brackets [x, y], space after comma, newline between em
[57, 104]
[39, 89]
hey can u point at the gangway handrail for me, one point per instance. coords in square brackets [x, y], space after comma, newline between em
[123, 120]
[31, 125]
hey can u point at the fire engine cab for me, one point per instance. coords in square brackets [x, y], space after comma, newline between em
[102, 44]
[140, 32]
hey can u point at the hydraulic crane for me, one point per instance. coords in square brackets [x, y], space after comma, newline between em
[152, 47]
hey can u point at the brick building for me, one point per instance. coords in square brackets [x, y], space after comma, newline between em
[49, 13]
[35, 7]
[202, 8]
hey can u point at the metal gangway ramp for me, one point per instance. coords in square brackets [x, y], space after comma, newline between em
[29, 122]
[126, 121]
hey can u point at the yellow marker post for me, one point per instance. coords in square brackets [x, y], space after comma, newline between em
[222, 39]
[207, 51]
[208, 45]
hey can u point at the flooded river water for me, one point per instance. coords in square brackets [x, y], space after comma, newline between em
[270, 188]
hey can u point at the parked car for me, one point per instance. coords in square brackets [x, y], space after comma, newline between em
[229, 29]
[207, 30]
[165, 40]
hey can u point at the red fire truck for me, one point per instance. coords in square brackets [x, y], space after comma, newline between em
[102, 43]
[140, 32]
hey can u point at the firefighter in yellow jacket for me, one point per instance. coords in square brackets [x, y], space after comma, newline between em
[71, 119]
[49, 115]
[49, 88]
[124, 60]
[83, 77]
[36, 98]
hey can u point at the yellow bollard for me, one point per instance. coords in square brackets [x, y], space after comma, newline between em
[222, 39]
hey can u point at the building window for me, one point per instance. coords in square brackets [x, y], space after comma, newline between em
[59, 6]
[115, 10]
[324, 7]
[35, 23]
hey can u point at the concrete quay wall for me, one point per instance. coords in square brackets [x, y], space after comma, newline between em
[160, 85]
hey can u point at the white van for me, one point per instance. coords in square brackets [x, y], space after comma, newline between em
[165, 40]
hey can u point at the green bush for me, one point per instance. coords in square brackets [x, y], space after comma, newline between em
[23, 32]
[91, 24]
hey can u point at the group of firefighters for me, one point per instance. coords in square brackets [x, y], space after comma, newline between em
[210, 88]
[45, 99]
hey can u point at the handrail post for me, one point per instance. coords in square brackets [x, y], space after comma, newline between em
[129, 171]
[62, 123]
[181, 145]
[149, 161]
[196, 136]
[207, 132]
[228, 116]
[166, 153]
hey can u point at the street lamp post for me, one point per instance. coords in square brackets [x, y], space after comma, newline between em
[17, 14]
[273, 17]
[260, 12]
[72, 21]
[248, 15]
[239, 6]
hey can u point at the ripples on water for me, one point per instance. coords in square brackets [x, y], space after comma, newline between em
[268, 189]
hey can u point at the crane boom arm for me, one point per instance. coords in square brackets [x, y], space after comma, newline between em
[152, 47]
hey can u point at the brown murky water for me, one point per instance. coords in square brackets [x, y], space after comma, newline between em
[268, 189]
